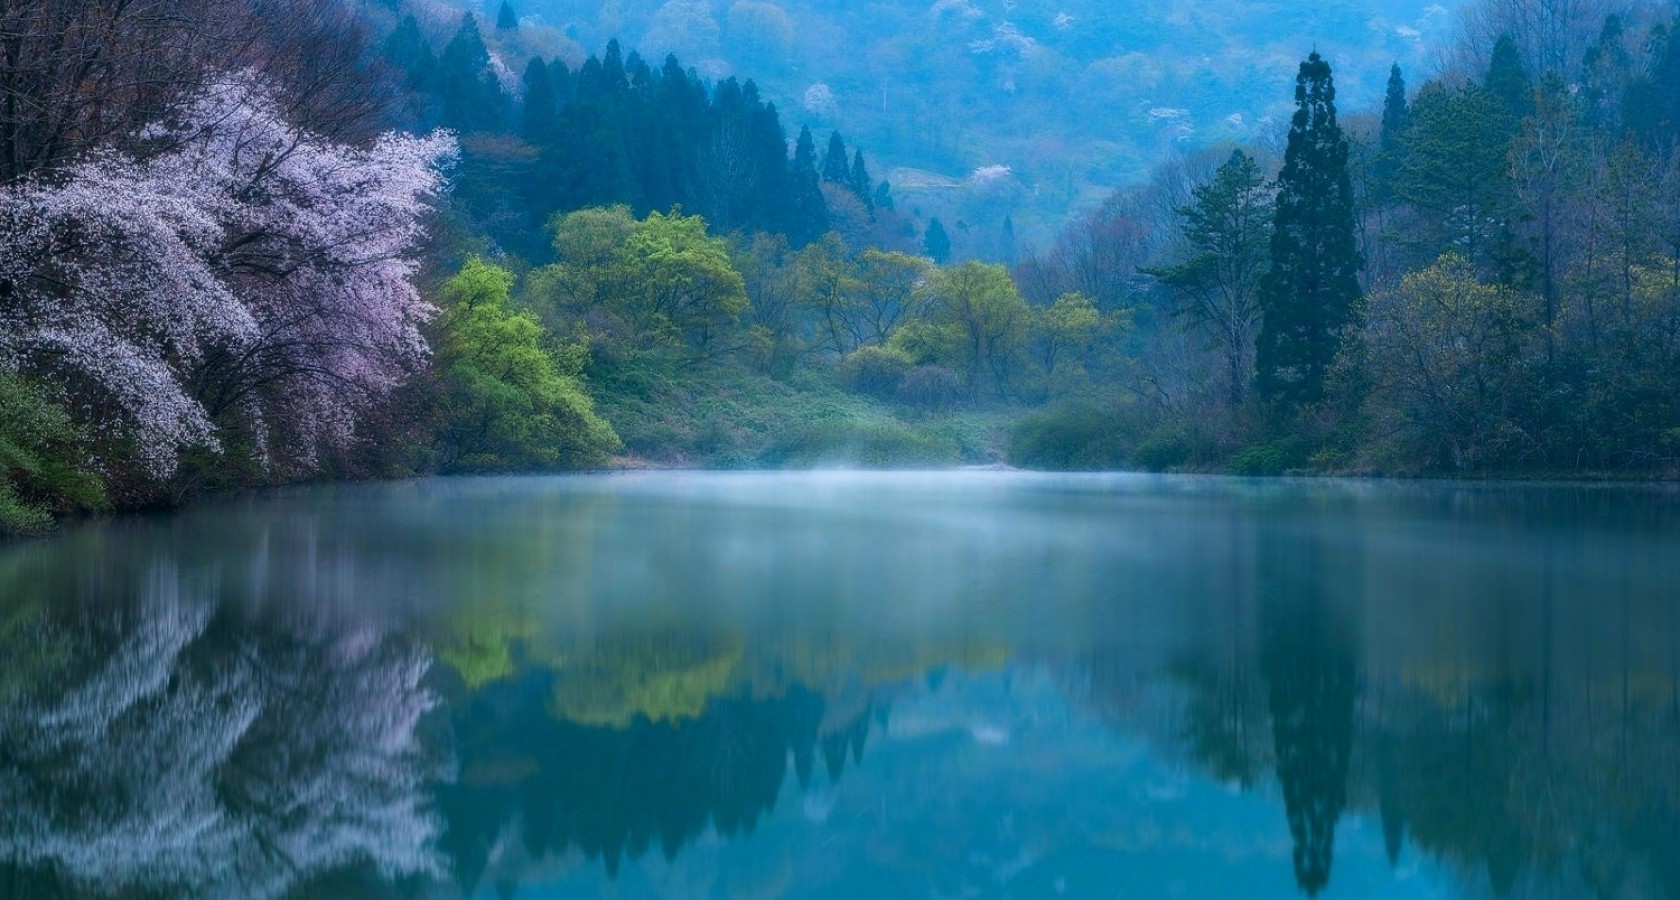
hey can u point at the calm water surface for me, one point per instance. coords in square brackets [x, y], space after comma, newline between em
[849, 686]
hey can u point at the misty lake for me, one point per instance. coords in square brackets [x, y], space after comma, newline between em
[849, 685]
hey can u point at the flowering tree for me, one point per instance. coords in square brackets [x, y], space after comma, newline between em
[247, 274]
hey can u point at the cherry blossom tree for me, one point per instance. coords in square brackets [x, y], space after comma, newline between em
[246, 275]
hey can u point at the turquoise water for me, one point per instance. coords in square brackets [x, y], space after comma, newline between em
[850, 685]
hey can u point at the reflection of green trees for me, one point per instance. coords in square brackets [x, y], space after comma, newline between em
[666, 677]
[615, 790]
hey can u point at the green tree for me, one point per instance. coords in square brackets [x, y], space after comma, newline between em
[984, 323]
[1061, 334]
[834, 167]
[893, 289]
[1508, 80]
[507, 401]
[1457, 171]
[807, 211]
[1396, 120]
[506, 18]
[1444, 354]
[676, 282]
[1308, 296]
[1229, 225]
[859, 181]
[472, 97]
[936, 242]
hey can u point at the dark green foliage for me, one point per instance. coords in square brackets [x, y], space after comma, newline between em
[883, 195]
[1308, 296]
[859, 181]
[1651, 104]
[472, 97]
[808, 212]
[40, 472]
[1073, 436]
[834, 167]
[1396, 121]
[1229, 227]
[1456, 171]
[1508, 80]
[506, 18]
[936, 242]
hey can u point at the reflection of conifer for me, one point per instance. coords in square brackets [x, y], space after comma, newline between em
[1311, 693]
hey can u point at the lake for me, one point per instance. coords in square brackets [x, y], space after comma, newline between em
[849, 685]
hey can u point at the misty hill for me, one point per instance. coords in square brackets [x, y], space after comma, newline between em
[1073, 96]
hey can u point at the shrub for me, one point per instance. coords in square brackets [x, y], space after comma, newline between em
[876, 371]
[39, 472]
[1070, 436]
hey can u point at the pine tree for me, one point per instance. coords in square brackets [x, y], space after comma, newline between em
[808, 215]
[883, 195]
[506, 18]
[1396, 119]
[859, 181]
[472, 97]
[834, 168]
[936, 242]
[1008, 251]
[1457, 171]
[1308, 297]
[537, 121]
[1508, 80]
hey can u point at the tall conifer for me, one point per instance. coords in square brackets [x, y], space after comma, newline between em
[1308, 296]
[809, 213]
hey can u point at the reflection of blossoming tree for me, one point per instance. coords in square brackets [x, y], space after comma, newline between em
[190, 757]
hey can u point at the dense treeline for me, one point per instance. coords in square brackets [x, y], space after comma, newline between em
[1499, 292]
[620, 130]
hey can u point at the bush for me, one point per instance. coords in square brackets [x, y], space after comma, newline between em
[871, 444]
[931, 387]
[1071, 436]
[39, 474]
[1276, 458]
[876, 371]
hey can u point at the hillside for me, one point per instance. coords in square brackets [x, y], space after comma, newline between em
[1075, 97]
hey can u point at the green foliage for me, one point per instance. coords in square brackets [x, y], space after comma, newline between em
[508, 401]
[1072, 436]
[1307, 297]
[876, 371]
[937, 242]
[40, 472]
[1455, 170]
[1229, 226]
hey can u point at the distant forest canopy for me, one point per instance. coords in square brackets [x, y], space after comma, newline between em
[1074, 98]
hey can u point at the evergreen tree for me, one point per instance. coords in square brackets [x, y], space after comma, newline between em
[834, 168]
[540, 110]
[506, 18]
[1396, 119]
[1605, 71]
[1651, 104]
[472, 96]
[1308, 296]
[859, 181]
[1457, 171]
[883, 195]
[1007, 251]
[808, 213]
[1508, 80]
[937, 242]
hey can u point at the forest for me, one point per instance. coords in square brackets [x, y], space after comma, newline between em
[247, 242]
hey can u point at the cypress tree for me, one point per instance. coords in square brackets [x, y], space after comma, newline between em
[1396, 118]
[936, 241]
[1308, 297]
[506, 18]
[808, 215]
[883, 195]
[834, 168]
[859, 181]
[472, 97]
[537, 122]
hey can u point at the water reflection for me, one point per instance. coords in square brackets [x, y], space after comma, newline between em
[693, 686]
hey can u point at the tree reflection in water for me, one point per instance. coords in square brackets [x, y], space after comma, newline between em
[178, 748]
